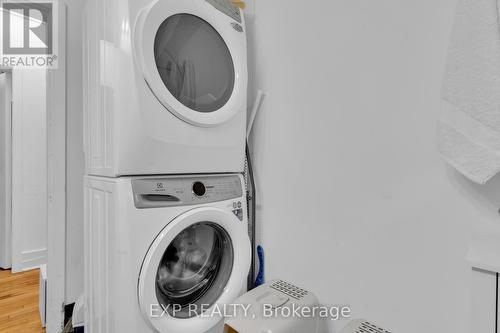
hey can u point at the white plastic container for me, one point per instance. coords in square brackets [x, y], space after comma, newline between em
[270, 308]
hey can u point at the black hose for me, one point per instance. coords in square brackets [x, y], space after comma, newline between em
[251, 215]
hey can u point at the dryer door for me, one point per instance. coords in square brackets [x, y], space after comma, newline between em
[193, 59]
[198, 263]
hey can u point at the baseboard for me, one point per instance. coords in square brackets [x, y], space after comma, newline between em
[29, 260]
[33, 259]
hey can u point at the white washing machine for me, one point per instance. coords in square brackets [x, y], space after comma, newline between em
[165, 87]
[163, 254]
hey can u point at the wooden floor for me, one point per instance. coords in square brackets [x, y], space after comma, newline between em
[19, 303]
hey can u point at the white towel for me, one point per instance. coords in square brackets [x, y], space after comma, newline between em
[469, 128]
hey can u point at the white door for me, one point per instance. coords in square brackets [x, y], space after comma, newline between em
[193, 58]
[5, 170]
[200, 260]
[29, 169]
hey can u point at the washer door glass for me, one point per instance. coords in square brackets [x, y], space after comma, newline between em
[194, 62]
[194, 270]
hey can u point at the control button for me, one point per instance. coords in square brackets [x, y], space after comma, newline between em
[237, 27]
[199, 189]
[239, 214]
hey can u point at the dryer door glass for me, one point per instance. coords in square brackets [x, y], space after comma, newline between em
[194, 63]
[194, 270]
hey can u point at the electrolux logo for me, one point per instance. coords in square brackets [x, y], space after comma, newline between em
[29, 36]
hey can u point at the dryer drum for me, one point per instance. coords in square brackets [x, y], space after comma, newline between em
[194, 62]
[194, 270]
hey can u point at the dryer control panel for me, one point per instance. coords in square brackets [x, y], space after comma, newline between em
[154, 192]
[227, 8]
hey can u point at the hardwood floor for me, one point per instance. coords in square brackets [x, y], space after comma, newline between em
[19, 303]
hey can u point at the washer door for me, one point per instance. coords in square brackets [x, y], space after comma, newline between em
[198, 262]
[193, 60]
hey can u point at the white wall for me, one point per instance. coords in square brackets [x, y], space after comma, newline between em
[75, 159]
[346, 161]
[5, 170]
[29, 169]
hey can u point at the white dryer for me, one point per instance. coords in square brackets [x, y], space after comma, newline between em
[165, 87]
[163, 254]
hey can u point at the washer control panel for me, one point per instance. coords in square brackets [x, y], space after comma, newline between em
[154, 192]
[227, 8]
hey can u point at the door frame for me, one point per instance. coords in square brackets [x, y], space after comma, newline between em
[6, 253]
[56, 183]
[26, 85]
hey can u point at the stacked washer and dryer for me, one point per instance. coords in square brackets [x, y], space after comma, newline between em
[166, 234]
